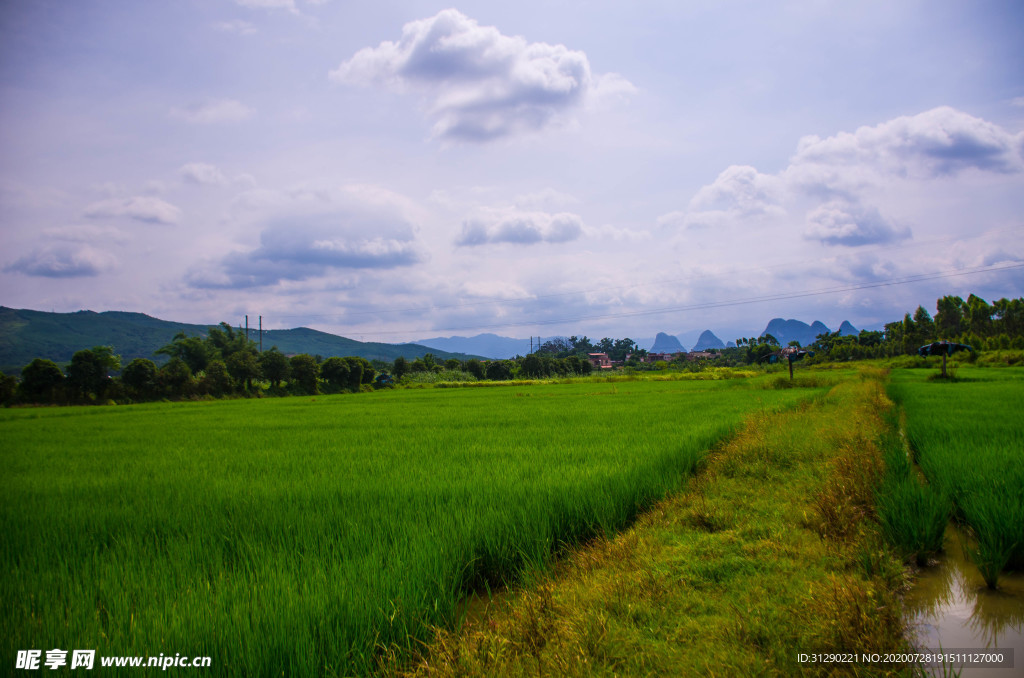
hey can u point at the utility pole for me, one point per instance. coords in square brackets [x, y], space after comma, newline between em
[247, 329]
[261, 334]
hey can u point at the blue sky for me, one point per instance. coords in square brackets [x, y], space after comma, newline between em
[399, 170]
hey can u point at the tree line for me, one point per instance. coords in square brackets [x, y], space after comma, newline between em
[226, 363]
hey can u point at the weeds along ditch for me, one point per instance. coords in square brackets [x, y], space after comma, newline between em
[967, 435]
[305, 536]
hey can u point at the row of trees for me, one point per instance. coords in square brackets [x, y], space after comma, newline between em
[223, 363]
[535, 365]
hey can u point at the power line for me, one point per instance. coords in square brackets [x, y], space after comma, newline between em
[732, 272]
[723, 304]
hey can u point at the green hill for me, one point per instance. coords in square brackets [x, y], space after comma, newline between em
[26, 334]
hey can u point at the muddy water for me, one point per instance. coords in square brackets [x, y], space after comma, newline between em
[950, 607]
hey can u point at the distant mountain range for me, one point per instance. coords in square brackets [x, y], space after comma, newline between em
[497, 347]
[666, 343]
[486, 345]
[25, 335]
[794, 330]
[707, 340]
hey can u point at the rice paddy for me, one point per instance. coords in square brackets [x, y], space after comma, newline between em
[310, 536]
[968, 437]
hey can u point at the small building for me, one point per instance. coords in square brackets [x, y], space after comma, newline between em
[702, 355]
[655, 357]
[600, 360]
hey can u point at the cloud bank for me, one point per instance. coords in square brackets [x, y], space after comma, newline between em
[480, 85]
[147, 209]
[308, 234]
[834, 180]
[521, 228]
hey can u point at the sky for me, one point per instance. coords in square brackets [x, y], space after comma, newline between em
[393, 171]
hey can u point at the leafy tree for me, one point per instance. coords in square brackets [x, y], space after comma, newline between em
[949, 320]
[532, 366]
[499, 370]
[176, 379]
[1009, 315]
[243, 366]
[225, 341]
[925, 325]
[40, 381]
[452, 364]
[558, 346]
[140, 376]
[401, 367]
[870, 338]
[8, 387]
[770, 340]
[475, 367]
[193, 351]
[581, 346]
[217, 379]
[367, 373]
[337, 373]
[305, 371]
[88, 371]
[979, 316]
[275, 366]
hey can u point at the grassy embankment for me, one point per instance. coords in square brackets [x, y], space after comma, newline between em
[967, 435]
[769, 552]
[309, 536]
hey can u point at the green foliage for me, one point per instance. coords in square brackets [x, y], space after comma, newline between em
[217, 379]
[244, 367]
[967, 435]
[305, 372]
[193, 351]
[140, 376]
[283, 536]
[499, 370]
[401, 367]
[8, 388]
[476, 368]
[275, 367]
[175, 379]
[913, 516]
[41, 381]
[87, 374]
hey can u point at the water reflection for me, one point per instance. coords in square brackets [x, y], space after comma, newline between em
[950, 607]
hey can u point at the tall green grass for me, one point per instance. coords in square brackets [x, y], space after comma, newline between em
[969, 439]
[307, 536]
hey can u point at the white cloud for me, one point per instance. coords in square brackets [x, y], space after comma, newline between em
[942, 141]
[236, 26]
[140, 208]
[835, 180]
[202, 173]
[214, 112]
[314, 232]
[64, 261]
[480, 84]
[851, 224]
[86, 233]
[268, 4]
[743, 190]
[522, 228]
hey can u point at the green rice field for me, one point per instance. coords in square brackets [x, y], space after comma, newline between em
[967, 435]
[303, 536]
